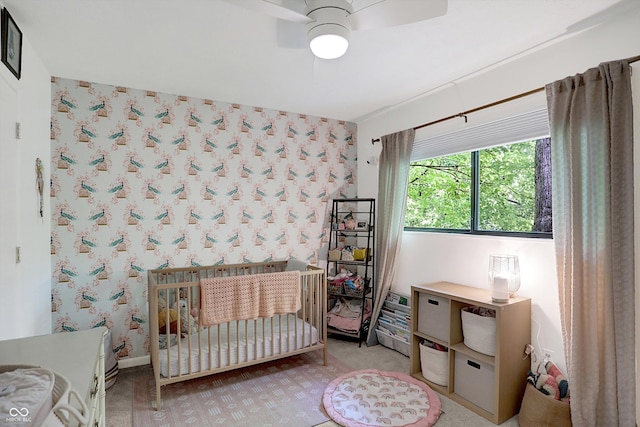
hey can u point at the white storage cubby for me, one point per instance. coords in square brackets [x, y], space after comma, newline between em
[492, 385]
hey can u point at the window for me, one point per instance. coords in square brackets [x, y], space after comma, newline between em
[499, 190]
[439, 193]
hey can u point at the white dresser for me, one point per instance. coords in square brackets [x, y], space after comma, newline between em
[78, 356]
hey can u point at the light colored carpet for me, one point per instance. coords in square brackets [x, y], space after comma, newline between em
[119, 400]
[286, 392]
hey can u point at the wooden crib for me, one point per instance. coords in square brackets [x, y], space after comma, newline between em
[199, 351]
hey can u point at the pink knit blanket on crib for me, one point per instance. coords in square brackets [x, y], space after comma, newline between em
[248, 296]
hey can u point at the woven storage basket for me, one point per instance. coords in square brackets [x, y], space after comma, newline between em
[353, 292]
[435, 365]
[540, 410]
[334, 287]
[479, 332]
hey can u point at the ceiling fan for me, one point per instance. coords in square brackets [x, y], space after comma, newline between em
[329, 23]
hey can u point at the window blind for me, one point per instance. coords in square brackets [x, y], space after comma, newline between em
[522, 127]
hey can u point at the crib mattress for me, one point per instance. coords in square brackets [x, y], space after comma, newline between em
[239, 342]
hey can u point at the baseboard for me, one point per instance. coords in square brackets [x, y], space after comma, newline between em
[131, 362]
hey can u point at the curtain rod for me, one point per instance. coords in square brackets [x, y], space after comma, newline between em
[493, 104]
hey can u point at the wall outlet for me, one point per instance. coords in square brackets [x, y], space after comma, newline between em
[548, 354]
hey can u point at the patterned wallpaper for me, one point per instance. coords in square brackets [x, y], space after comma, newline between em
[144, 180]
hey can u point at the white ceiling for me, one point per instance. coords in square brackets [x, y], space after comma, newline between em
[219, 50]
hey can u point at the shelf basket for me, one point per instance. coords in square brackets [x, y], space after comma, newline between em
[353, 292]
[360, 254]
[334, 288]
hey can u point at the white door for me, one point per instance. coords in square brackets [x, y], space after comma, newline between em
[9, 223]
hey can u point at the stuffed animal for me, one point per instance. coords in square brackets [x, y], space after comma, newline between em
[195, 314]
[349, 222]
[162, 318]
[187, 321]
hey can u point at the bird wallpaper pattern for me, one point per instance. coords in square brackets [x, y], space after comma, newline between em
[143, 180]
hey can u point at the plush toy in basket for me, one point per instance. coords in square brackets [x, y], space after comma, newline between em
[546, 399]
[354, 286]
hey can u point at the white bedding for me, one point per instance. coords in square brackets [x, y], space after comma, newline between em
[264, 341]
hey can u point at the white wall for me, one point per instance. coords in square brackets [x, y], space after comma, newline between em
[25, 288]
[427, 257]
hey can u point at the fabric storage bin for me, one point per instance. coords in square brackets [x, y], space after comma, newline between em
[435, 365]
[479, 332]
[360, 254]
[433, 316]
[474, 381]
[540, 410]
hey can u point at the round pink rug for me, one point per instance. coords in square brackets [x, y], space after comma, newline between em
[371, 398]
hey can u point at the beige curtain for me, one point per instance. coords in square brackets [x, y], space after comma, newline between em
[393, 178]
[590, 119]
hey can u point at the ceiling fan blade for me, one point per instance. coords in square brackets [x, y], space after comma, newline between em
[390, 13]
[291, 35]
[274, 8]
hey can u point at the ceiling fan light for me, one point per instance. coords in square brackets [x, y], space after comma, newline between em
[329, 41]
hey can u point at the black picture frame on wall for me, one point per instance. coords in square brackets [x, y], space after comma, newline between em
[11, 44]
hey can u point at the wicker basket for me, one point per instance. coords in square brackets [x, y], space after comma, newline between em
[540, 410]
[353, 292]
[334, 287]
[335, 254]
[435, 365]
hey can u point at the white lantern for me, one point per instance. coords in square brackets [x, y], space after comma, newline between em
[504, 277]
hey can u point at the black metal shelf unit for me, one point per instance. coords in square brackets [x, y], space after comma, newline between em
[351, 243]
